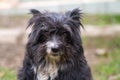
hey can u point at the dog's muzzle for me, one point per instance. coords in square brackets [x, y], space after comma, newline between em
[53, 48]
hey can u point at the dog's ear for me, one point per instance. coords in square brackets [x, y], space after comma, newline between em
[36, 15]
[75, 14]
[35, 12]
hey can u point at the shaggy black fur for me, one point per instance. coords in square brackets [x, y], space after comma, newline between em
[72, 64]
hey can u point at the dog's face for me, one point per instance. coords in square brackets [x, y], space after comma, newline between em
[54, 35]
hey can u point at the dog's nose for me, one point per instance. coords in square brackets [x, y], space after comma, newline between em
[55, 50]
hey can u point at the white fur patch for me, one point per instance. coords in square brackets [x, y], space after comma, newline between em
[48, 71]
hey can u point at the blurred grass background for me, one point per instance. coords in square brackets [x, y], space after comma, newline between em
[7, 74]
[101, 19]
[108, 67]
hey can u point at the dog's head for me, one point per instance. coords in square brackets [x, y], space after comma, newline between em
[54, 36]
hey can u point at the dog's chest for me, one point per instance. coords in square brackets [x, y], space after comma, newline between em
[48, 73]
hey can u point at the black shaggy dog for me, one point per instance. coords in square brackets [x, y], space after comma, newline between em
[54, 49]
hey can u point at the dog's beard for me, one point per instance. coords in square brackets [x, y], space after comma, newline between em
[47, 58]
[52, 59]
[49, 64]
[63, 61]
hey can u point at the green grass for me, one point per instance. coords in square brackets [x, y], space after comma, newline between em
[109, 65]
[101, 19]
[106, 69]
[7, 74]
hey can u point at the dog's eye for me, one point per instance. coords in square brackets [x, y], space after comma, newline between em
[69, 40]
[67, 37]
[42, 39]
[64, 34]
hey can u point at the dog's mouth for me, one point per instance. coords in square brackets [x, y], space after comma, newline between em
[53, 57]
[53, 52]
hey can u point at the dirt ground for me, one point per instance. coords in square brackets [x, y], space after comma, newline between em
[11, 55]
